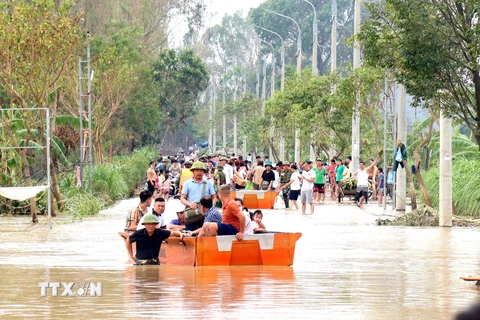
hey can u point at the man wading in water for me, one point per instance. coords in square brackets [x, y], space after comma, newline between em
[148, 241]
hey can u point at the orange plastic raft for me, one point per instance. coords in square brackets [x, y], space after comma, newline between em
[256, 199]
[267, 249]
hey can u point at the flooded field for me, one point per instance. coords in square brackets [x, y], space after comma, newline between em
[345, 267]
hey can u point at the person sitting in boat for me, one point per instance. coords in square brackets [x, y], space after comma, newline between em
[179, 223]
[233, 220]
[257, 223]
[133, 218]
[248, 218]
[148, 241]
[211, 214]
[158, 210]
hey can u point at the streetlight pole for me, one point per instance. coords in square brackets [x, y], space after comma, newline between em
[214, 142]
[315, 40]
[314, 65]
[333, 54]
[210, 116]
[356, 113]
[282, 83]
[235, 142]
[299, 40]
[282, 56]
[299, 71]
[333, 63]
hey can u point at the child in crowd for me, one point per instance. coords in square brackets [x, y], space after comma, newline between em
[381, 184]
[257, 223]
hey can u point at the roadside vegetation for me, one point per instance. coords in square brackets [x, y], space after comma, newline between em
[144, 93]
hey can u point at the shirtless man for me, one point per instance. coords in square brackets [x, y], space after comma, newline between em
[361, 175]
[151, 179]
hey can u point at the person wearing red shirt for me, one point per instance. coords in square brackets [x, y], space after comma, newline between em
[233, 220]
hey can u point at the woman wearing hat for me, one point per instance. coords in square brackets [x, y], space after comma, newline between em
[268, 177]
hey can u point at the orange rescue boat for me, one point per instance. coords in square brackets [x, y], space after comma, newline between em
[267, 249]
[256, 199]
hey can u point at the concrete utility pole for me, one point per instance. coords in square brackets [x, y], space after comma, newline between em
[333, 63]
[272, 91]
[401, 194]
[333, 54]
[257, 82]
[315, 40]
[356, 113]
[445, 198]
[224, 127]
[235, 141]
[299, 72]
[264, 86]
[210, 110]
[282, 86]
[215, 99]
[314, 67]
[214, 125]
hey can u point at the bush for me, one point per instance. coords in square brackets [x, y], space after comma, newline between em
[83, 203]
[135, 167]
[466, 194]
[110, 182]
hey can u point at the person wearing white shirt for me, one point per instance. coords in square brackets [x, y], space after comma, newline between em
[307, 178]
[228, 170]
[158, 210]
[278, 169]
[248, 219]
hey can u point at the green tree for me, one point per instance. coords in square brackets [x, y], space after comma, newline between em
[302, 13]
[180, 78]
[38, 44]
[432, 47]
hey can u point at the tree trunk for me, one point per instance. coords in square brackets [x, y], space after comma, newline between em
[165, 135]
[110, 153]
[54, 187]
[28, 179]
[418, 162]
[423, 188]
[411, 187]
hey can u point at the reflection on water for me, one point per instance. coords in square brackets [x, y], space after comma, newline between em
[345, 268]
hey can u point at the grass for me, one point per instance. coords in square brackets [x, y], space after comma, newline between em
[466, 191]
[110, 182]
[83, 203]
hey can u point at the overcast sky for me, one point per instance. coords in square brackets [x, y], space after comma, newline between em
[216, 9]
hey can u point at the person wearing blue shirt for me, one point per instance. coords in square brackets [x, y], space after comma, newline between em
[193, 188]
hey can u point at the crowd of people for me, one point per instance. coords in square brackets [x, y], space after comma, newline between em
[200, 185]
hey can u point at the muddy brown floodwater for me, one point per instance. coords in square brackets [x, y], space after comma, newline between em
[345, 267]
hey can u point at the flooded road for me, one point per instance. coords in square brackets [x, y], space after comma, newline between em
[345, 267]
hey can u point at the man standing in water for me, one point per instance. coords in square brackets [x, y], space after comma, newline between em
[319, 183]
[307, 178]
[148, 242]
[361, 175]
